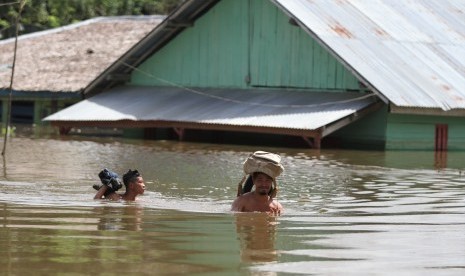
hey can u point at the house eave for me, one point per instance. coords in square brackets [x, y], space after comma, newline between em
[426, 111]
[188, 125]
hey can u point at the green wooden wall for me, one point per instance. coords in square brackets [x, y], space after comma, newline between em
[417, 132]
[383, 130]
[284, 55]
[211, 53]
[244, 43]
[44, 107]
[366, 133]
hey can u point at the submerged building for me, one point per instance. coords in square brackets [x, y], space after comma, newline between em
[372, 74]
[53, 67]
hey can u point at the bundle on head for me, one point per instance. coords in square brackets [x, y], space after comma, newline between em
[110, 179]
[264, 162]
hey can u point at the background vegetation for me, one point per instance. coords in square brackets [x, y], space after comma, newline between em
[45, 14]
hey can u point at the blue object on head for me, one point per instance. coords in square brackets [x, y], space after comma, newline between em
[110, 179]
[106, 175]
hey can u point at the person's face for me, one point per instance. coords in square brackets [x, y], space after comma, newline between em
[262, 183]
[139, 185]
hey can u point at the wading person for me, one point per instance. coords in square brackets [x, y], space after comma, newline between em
[261, 169]
[132, 180]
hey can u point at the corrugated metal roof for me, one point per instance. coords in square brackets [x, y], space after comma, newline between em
[412, 53]
[282, 109]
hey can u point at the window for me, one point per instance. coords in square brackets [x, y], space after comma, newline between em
[22, 112]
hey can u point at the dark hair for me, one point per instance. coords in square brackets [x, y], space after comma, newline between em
[130, 176]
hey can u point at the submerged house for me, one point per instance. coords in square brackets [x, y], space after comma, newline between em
[378, 74]
[53, 67]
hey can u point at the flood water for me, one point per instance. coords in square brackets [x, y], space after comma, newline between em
[346, 212]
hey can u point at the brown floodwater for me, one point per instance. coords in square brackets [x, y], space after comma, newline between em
[346, 212]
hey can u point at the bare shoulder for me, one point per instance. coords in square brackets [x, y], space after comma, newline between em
[244, 197]
[239, 203]
[114, 196]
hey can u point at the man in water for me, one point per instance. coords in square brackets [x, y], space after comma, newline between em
[133, 182]
[260, 199]
[262, 168]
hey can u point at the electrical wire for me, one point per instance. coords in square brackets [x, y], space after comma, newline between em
[238, 101]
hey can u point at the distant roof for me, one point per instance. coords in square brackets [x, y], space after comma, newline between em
[292, 112]
[68, 58]
[411, 53]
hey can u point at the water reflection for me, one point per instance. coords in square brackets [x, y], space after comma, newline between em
[127, 218]
[257, 233]
[440, 160]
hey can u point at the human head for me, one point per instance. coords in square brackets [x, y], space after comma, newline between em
[263, 162]
[263, 183]
[134, 177]
[130, 176]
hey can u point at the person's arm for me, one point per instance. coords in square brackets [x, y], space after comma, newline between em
[101, 192]
[276, 208]
[113, 196]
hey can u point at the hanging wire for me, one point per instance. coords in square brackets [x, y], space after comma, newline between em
[243, 102]
[10, 96]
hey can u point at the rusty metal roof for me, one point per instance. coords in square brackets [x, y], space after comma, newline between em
[411, 53]
[278, 111]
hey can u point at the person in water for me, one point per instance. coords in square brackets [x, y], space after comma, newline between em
[261, 169]
[132, 180]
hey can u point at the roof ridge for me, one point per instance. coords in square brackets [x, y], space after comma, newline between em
[83, 23]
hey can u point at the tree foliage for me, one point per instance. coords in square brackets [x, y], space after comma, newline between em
[45, 14]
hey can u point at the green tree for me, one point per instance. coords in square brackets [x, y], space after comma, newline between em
[45, 14]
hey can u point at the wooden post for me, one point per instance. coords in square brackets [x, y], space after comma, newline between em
[64, 130]
[441, 137]
[180, 132]
[10, 95]
[315, 143]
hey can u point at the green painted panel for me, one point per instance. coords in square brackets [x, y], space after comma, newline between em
[415, 132]
[284, 55]
[211, 53]
[366, 133]
[222, 49]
